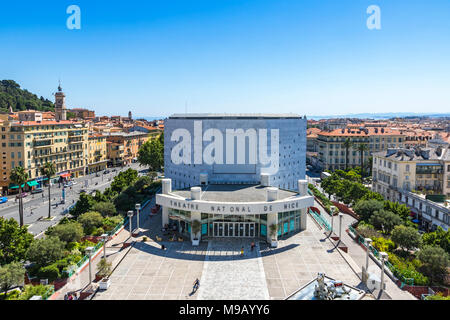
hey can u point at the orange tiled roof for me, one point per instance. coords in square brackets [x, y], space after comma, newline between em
[360, 133]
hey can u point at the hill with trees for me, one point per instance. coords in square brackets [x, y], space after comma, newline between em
[21, 99]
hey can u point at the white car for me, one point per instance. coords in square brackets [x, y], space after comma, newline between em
[74, 183]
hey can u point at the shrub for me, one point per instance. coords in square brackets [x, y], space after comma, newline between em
[385, 220]
[90, 220]
[98, 231]
[109, 223]
[366, 208]
[39, 290]
[105, 208]
[46, 251]
[382, 244]
[435, 262]
[438, 296]
[104, 268]
[406, 237]
[406, 269]
[50, 272]
[68, 232]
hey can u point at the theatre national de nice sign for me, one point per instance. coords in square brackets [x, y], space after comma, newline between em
[289, 204]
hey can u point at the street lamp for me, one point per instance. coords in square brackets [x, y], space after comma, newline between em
[368, 241]
[104, 238]
[333, 210]
[340, 225]
[89, 251]
[130, 216]
[384, 256]
[138, 208]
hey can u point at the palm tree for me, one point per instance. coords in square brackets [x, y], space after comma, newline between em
[19, 176]
[48, 170]
[347, 145]
[362, 147]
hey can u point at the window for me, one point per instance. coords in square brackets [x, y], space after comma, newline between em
[407, 168]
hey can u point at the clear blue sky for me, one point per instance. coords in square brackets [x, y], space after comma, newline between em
[313, 57]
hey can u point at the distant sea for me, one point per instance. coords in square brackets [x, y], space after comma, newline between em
[375, 116]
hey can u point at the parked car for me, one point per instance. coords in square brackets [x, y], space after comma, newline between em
[3, 199]
[82, 191]
[106, 172]
[38, 190]
[23, 195]
[74, 183]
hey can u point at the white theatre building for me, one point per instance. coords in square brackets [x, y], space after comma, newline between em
[236, 174]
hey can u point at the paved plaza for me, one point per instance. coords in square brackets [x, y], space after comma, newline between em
[148, 272]
[228, 275]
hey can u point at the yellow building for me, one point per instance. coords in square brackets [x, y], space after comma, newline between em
[332, 153]
[30, 144]
[97, 152]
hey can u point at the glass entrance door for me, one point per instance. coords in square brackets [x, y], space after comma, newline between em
[234, 229]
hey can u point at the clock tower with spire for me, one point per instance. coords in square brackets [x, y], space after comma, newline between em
[60, 105]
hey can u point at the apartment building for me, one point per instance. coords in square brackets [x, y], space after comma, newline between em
[332, 153]
[30, 144]
[123, 147]
[97, 151]
[84, 114]
[426, 170]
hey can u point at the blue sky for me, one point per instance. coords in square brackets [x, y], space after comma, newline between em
[313, 57]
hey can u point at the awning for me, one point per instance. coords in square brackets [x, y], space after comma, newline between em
[65, 175]
[11, 186]
[415, 221]
[32, 183]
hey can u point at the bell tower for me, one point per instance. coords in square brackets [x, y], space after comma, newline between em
[60, 105]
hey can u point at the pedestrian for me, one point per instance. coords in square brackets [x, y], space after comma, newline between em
[196, 285]
[242, 251]
[70, 297]
[66, 297]
[163, 247]
[252, 245]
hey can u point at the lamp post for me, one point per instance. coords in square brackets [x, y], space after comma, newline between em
[104, 238]
[89, 252]
[367, 241]
[138, 208]
[130, 217]
[384, 256]
[340, 225]
[332, 215]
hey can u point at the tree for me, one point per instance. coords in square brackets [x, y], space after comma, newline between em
[362, 147]
[68, 232]
[19, 176]
[84, 204]
[399, 209]
[46, 251]
[104, 268]
[347, 145]
[49, 170]
[196, 226]
[151, 154]
[107, 209]
[14, 241]
[123, 180]
[435, 262]
[406, 237]
[365, 208]
[385, 220]
[11, 275]
[439, 238]
[90, 220]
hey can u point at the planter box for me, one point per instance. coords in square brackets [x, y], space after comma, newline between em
[195, 242]
[104, 284]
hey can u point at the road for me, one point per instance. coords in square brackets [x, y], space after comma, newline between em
[36, 206]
